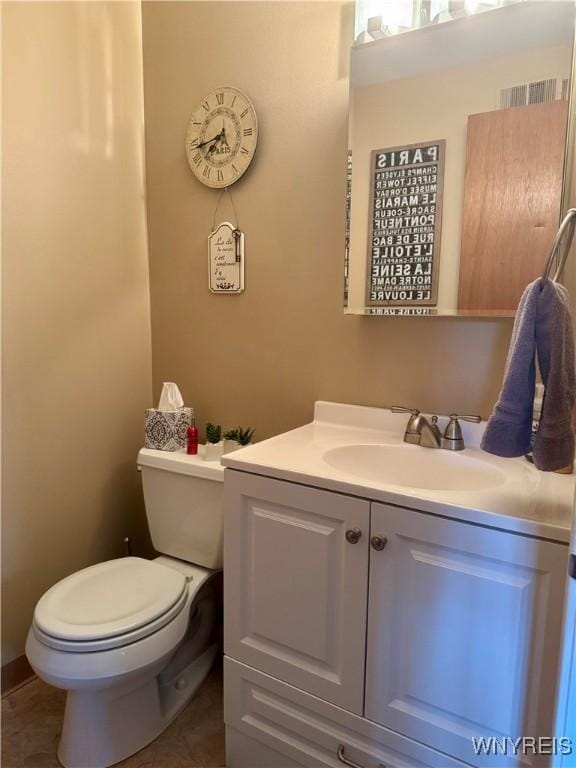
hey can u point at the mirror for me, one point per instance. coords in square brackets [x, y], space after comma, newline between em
[457, 154]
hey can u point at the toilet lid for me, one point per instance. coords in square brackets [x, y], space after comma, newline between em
[109, 599]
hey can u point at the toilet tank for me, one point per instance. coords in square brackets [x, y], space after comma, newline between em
[183, 497]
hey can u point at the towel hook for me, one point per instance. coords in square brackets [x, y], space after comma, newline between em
[568, 223]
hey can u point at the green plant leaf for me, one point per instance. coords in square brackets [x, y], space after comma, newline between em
[245, 435]
[213, 433]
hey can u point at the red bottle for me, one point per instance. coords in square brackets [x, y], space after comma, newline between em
[192, 439]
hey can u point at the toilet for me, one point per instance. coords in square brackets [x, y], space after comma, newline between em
[131, 640]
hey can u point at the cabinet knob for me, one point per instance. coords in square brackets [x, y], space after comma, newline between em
[353, 535]
[378, 542]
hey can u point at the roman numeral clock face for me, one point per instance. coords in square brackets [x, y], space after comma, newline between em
[221, 137]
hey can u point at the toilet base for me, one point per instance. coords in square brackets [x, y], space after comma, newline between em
[106, 726]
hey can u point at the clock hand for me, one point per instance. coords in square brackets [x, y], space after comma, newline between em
[209, 141]
[213, 147]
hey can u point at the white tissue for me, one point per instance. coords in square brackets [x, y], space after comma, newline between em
[170, 399]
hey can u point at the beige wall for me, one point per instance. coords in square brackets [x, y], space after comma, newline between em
[76, 346]
[446, 99]
[262, 358]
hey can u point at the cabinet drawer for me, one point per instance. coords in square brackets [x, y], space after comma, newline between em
[302, 730]
[295, 586]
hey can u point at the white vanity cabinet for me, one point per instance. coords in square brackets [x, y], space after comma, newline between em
[399, 654]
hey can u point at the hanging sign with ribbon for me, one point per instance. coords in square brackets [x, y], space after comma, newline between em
[225, 255]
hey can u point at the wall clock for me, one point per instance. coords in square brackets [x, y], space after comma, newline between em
[221, 137]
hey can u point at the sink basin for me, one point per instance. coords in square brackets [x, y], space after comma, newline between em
[415, 467]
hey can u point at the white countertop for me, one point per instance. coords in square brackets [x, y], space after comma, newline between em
[530, 502]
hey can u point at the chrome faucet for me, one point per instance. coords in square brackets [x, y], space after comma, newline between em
[420, 431]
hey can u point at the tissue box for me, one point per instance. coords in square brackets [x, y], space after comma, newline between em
[166, 430]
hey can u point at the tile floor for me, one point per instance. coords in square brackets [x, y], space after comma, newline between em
[32, 717]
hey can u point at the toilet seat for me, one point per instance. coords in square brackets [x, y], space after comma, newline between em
[109, 605]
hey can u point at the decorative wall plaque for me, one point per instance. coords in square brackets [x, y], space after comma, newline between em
[226, 259]
[405, 224]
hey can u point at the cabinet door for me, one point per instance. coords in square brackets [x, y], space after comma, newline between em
[295, 589]
[463, 634]
[566, 712]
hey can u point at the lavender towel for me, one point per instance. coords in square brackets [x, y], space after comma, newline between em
[554, 444]
[543, 327]
[509, 429]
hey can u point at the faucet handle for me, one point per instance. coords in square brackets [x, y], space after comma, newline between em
[453, 440]
[412, 432]
[475, 419]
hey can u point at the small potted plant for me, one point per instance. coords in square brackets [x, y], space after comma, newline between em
[231, 440]
[245, 435]
[214, 446]
[237, 438]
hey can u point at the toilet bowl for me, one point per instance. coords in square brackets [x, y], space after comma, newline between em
[131, 640]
